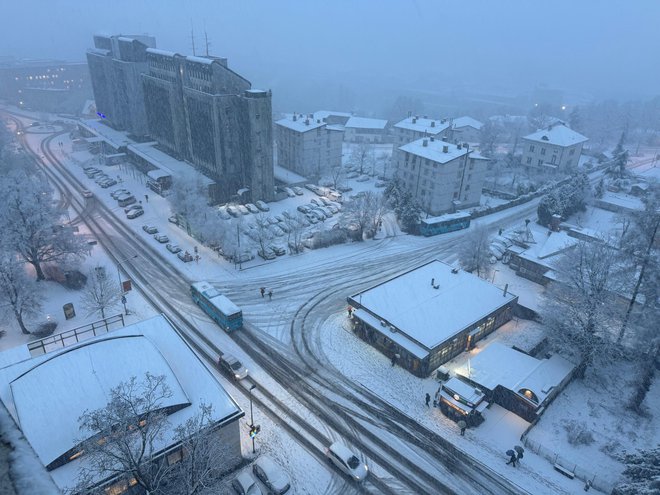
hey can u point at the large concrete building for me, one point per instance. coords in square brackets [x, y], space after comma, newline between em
[554, 149]
[45, 85]
[412, 128]
[365, 130]
[208, 114]
[442, 177]
[116, 64]
[308, 146]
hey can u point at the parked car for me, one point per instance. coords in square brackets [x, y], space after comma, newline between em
[252, 208]
[223, 214]
[316, 202]
[120, 192]
[173, 219]
[352, 175]
[320, 214]
[150, 229]
[334, 209]
[298, 190]
[243, 210]
[313, 219]
[325, 201]
[312, 187]
[245, 484]
[271, 475]
[278, 250]
[133, 207]
[276, 230]
[134, 214]
[346, 461]
[231, 366]
[108, 183]
[233, 211]
[267, 254]
[289, 192]
[173, 248]
[162, 238]
[262, 206]
[243, 257]
[184, 256]
[363, 178]
[87, 194]
[303, 209]
[380, 183]
[126, 200]
[272, 220]
[286, 214]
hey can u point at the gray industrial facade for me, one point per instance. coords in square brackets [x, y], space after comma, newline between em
[197, 109]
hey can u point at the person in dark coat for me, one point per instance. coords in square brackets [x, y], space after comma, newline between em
[263, 291]
[512, 457]
[393, 359]
[428, 399]
[270, 295]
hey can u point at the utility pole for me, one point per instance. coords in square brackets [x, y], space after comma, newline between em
[206, 42]
[192, 37]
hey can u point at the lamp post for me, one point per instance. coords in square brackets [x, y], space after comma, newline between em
[252, 417]
[121, 288]
[494, 272]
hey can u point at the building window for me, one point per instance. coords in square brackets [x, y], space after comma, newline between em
[455, 195]
[531, 148]
[543, 151]
[571, 151]
[529, 160]
[540, 162]
[467, 188]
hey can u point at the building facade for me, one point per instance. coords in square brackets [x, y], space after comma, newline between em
[115, 66]
[466, 130]
[442, 177]
[413, 128]
[554, 149]
[364, 130]
[202, 111]
[307, 146]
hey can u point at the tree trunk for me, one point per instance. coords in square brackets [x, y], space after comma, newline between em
[19, 319]
[40, 272]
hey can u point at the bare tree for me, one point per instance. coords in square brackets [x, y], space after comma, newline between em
[121, 438]
[101, 293]
[20, 293]
[362, 157]
[262, 233]
[474, 255]
[363, 213]
[337, 175]
[31, 223]
[297, 227]
[581, 309]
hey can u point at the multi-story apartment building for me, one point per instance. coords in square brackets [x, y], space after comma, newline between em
[441, 176]
[308, 146]
[556, 148]
[115, 65]
[208, 114]
[465, 130]
[365, 130]
[47, 85]
[412, 128]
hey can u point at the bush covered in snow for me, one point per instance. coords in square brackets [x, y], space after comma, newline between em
[578, 433]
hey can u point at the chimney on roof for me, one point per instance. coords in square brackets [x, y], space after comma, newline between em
[414, 121]
[425, 142]
[506, 288]
[318, 121]
[306, 121]
[443, 121]
[310, 116]
[294, 117]
[432, 139]
[433, 123]
[445, 149]
[409, 113]
[416, 116]
[466, 146]
[426, 116]
[458, 146]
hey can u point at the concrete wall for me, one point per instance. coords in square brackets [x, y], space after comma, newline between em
[312, 153]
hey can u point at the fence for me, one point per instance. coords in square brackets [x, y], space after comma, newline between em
[598, 481]
[70, 337]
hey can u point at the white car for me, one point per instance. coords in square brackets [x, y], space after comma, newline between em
[346, 461]
[271, 475]
[289, 192]
[252, 208]
[243, 210]
[262, 206]
[233, 211]
[298, 190]
[245, 484]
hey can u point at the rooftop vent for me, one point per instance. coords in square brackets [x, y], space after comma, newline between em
[318, 121]
[545, 138]
[306, 121]
[445, 149]
[443, 121]
[454, 271]
[433, 123]
[294, 117]
[432, 139]
[414, 120]
[425, 142]
[458, 146]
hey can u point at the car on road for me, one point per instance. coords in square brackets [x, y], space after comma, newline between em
[233, 211]
[87, 194]
[134, 214]
[173, 219]
[231, 366]
[252, 208]
[173, 248]
[298, 190]
[120, 192]
[278, 250]
[262, 206]
[162, 238]
[245, 484]
[346, 461]
[271, 475]
[150, 229]
[133, 207]
[108, 183]
[363, 178]
[184, 256]
[267, 254]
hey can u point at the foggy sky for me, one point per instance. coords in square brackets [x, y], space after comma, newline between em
[298, 48]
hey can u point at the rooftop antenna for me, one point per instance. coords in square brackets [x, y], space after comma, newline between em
[192, 37]
[206, 42]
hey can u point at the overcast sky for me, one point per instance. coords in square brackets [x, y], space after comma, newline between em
[599, 48]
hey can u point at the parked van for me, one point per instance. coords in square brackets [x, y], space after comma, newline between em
[126, 200]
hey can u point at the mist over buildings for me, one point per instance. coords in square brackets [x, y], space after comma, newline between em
[363, 55]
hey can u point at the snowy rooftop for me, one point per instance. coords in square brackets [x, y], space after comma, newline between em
[112, 136]
[163, 53]
[434, 150]
[465, 122]
[47, 394]
[558, 134]
[366, 123]
[499, 364]
[324, 114]
[425, 316]
[544, 244]
[302, 123]
[431, 126]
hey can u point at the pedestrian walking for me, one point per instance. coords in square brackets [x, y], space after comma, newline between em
[350, 311]
[270, 295]
[263, 291]
[428, 399]
[512, 457]
[146, 198]
[519, 452]
[462, 425]
[393, 359]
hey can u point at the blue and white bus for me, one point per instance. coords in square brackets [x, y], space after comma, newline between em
[444, 223]
[224, 312]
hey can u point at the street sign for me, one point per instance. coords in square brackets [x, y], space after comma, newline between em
[69, 311]
[123, 299]
[126, 285]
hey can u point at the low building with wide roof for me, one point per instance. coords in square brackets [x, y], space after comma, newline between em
[429, 314]
[47, 394]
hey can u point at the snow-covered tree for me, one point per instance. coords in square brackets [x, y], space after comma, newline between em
[101, 293]
[362, 214]
[20, 294]
[406, 209]
[31, 223]
[263, 236]
[488, 136]
[564, 200]
[362, 157]
[338, 175]
[581, 309]
[620, 158]
[297, 228]
[642, 472]
[473, 252]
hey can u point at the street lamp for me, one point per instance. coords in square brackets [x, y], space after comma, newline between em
[494, 272]
[121, 288]
[252, 418]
